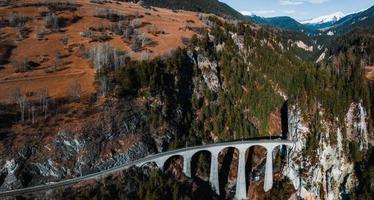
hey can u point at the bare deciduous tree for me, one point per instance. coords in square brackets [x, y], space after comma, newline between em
[57, 60]
[44, 102]
[152, 29]
[145, 55]
[39, 33]
[136, 23]
[21, 65]
[136, 44]
[144, 39]
[75, 90]
[19, 33]
[105, 56]
[12, 19]
[104, 85]
[16, 20]
[32, 114]
[119, 27]
[21, 101]
[137, 14]
[119, 58]
[65, 40]
[128, 33]
[51, 22]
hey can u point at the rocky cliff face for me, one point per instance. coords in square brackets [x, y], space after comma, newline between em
[209, 70]
[101, 143]
[331, 175]
[67, 158]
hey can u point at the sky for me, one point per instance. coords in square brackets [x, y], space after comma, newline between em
[298, 9]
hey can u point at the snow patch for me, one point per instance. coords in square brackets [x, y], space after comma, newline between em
[10, 166]
[321, 57]
[356, 125]
[362, 127]
[324, 19]
[246, 13]
[238, 39]
[10, 180]
[362, 19]
[302, 45]
[330, 33]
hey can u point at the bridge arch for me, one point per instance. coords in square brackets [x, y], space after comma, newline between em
[254, 164]
[201, 164]
[175, 161]
[228, 161]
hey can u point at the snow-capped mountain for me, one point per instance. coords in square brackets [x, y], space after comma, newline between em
[363, 19]
[247, 13]
[325, 19]
[336, 23]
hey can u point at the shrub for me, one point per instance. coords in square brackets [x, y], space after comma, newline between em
[136, 23]
[103, 84]
[109, 14]
[136, 44]
[65, 40]
[22, 32]
[39, 34]
[100, 38]
[118, 28]
[186, 41]
[52, 22]
[145, 55]
[152, 29]
[57, 61]
[128, 32]
[145, 39]
[16, 20]
[98, 1]
[6, 49]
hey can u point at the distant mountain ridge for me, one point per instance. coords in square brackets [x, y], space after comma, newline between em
[330, 24]
[206, 6]
[283, 22]
[364, 19]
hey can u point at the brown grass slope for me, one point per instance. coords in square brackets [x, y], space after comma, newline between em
[35, 54]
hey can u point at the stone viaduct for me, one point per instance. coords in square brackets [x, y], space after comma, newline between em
[187, 154]
[215, 149]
